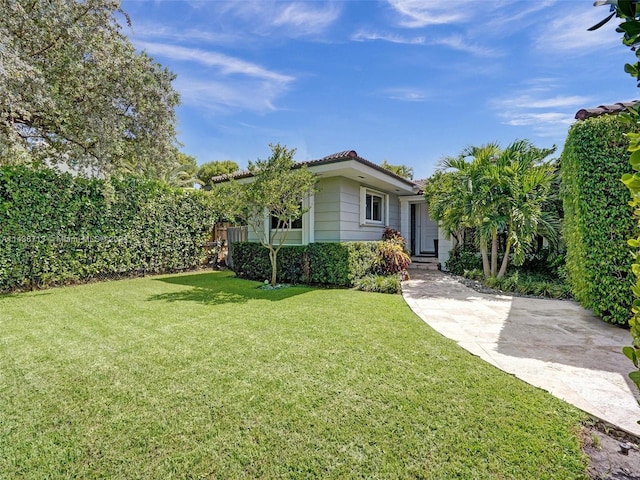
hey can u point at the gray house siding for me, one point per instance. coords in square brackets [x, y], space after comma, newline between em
[337, 216]
[350, 218]
[327, 210]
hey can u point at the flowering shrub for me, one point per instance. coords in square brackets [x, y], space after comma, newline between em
[392, 258]
[394, 236]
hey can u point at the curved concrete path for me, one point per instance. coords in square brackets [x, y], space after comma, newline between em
[555, 345]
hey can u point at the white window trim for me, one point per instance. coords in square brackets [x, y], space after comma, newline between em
[363, 207]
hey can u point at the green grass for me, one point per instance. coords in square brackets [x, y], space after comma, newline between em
[206, 376]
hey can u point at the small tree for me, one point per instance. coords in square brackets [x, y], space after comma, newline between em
[212, 169]
[273, 201]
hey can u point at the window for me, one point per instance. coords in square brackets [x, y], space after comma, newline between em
[296, 224]
[373, 207]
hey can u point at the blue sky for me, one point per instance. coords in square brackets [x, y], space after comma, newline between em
[400, 80]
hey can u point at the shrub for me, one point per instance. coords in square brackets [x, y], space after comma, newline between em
[56, 228]
[391, 258]
[362, 258]
[461, 259]
[339, 264]
[329, 263]
[598, 219]
[379, 283]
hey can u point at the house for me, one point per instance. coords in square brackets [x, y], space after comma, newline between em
[356, 200]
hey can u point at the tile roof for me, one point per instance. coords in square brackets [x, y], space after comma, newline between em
[345, 155]
[604, 110]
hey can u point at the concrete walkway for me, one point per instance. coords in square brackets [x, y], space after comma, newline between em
[553, 344]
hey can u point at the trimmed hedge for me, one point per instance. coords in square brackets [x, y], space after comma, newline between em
[57, 228]
[338, 264]
[597, 217]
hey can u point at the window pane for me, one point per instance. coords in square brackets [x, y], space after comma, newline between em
[376, 208]
[367, 209]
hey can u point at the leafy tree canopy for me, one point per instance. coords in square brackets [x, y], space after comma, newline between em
[75, 91]
[272, 201]
[496, 191]
[400, 170]
[212, 169]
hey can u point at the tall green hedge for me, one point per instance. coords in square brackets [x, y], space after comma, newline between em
[57, 228]
[597, 217]
[338, 264]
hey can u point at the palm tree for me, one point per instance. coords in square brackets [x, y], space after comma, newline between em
[498, 191]
[471, 201]
[526, 184]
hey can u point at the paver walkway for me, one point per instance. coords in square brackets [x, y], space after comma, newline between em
[553, 344]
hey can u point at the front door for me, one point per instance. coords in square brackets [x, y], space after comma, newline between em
[427, 231]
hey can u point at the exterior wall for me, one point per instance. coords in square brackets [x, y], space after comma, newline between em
[327, 210]
[445, 245]
[350, 226]
[336, 215]
[293, 238]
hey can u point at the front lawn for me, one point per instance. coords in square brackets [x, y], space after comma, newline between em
[206, 376]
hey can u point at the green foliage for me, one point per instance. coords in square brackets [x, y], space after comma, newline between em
[392, 258]
[56, 228]
[462, 259]
[329, 263]
[598, 219]
[400, 170]
[277, 186]
[523, 283]
[362, 258]
[76, 91]
[213, 169]
[379, 283]
[339, 264]
[496, 191]
[251, 261]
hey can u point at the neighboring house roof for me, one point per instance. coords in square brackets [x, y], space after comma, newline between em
[605, 110]
[344, 156]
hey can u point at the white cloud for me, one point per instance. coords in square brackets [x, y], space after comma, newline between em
[225, 64]
[457, 42]
[530, 102]
[567, 31]
[405, 94]
[363, 36]
[225, 97]
[157, 31]
[221, 83]
[305, 19]
[420, 13]
[546, 115]
[284, 19]
[536, 119]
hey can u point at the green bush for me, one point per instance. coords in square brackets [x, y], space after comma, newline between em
[379, 283]
[56, 228]
[329, 263]
[462, 259]
[524, 284]
[339, 264]
[362, 259]
[598, 219]
[392, 258]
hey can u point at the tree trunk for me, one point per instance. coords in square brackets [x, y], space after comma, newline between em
[505, 260]
[485, 258]
[273, 257]
[494, 253]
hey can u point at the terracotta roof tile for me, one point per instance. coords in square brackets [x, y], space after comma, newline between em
[604, 110]
[333, 158]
